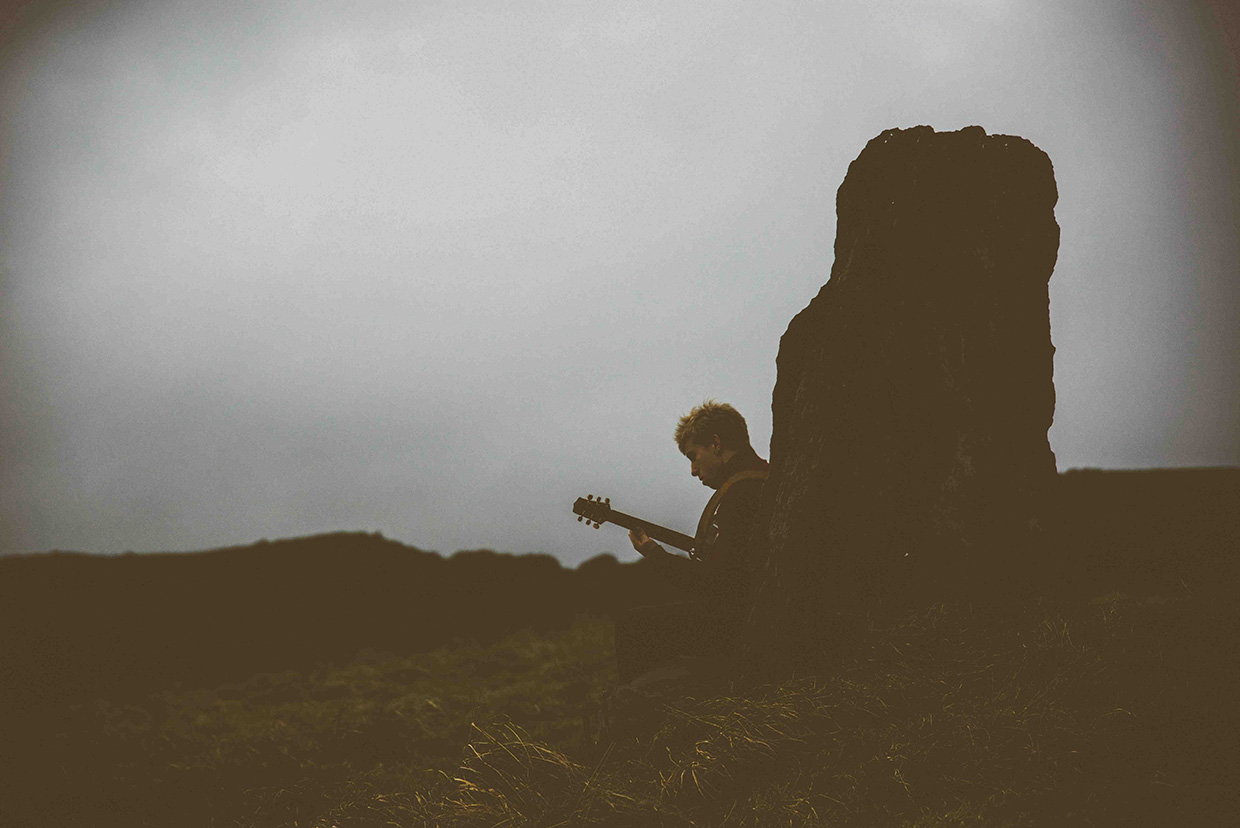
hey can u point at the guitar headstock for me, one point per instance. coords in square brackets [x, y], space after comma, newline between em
[596, 511]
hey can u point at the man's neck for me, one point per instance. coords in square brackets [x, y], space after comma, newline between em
[742, 460]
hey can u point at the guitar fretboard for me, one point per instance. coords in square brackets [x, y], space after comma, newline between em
[660, 533]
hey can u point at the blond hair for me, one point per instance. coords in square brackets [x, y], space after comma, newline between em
[711, 418]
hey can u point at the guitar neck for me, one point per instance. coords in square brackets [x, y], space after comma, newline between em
[660, 533]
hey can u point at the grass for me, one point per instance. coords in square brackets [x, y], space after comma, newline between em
[1117, 712]
[286, 748]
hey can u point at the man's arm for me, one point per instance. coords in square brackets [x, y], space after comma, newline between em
[684, 573]
[727, 564]
[736, 522]
[647, 546]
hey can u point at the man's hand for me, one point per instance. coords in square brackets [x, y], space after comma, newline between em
[644, 544]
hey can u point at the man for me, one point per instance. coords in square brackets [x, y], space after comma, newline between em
[716, 579]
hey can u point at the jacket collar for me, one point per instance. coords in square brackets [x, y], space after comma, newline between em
[743, 460]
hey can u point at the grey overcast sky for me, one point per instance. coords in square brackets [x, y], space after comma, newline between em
[436, 269]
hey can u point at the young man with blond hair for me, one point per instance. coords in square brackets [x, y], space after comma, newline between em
[716, 579]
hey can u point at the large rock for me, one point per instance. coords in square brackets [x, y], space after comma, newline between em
[914, 393]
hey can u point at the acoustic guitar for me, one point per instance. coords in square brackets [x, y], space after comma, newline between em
[597, 511]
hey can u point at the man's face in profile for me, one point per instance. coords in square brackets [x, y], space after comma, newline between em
[706, 461]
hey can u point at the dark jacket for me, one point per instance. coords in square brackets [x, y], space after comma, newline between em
[721, 573]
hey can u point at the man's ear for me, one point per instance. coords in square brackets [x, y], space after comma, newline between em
[715, 444]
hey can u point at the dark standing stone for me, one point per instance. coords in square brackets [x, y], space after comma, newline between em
[914, 393]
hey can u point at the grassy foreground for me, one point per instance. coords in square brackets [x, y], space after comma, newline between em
[1116, 712]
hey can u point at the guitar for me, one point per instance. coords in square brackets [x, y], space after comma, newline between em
[597, 511]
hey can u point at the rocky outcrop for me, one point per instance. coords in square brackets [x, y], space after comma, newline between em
[914, 393]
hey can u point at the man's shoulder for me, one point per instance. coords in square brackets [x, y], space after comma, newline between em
[742, 494]
[745, 486]
[747, 481]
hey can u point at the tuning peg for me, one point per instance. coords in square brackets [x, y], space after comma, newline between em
[579, 518]
[589, 497]
[596, 526]
[607, 500]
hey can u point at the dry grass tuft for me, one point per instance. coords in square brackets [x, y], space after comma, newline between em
[1118, 712]
[509, 780]
[954, 715]
[716, 744]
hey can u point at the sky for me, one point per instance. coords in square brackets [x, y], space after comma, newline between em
[437, 269]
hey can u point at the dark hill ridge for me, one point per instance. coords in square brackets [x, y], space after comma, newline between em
[1150, 531]
[82, 626]
[79, 626]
